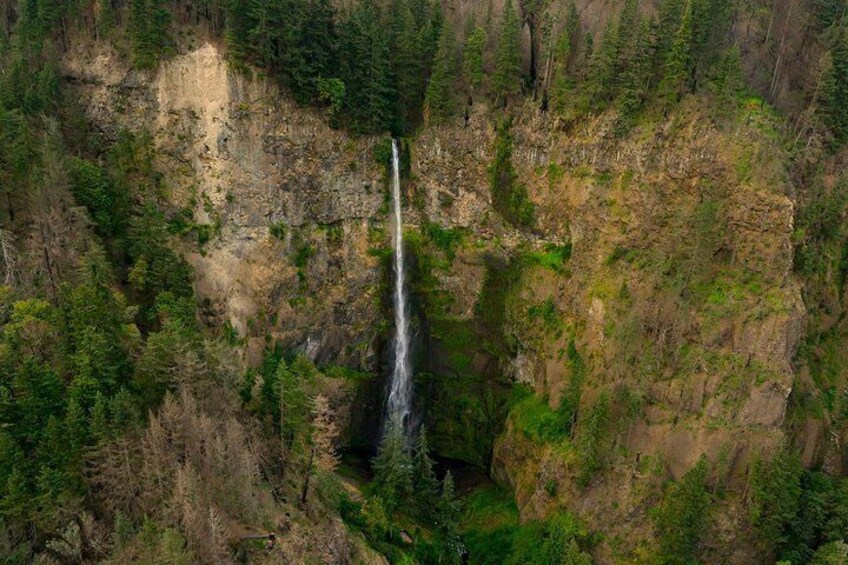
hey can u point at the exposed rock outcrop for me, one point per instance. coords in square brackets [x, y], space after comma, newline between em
[678, 291]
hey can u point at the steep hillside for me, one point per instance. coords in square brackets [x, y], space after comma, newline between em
[625, 225]
[676, 293]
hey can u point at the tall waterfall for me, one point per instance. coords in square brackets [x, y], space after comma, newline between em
[400, 392]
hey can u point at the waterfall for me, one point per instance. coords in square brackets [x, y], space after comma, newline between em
[400, 391]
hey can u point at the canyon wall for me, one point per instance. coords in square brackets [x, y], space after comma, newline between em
[657, 269]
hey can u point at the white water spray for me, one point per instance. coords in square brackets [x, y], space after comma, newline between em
[400, 392]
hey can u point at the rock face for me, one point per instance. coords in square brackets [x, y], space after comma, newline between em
[242, 159]
[678, 294]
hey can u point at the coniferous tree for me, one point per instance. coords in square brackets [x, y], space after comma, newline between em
[425, 484]
[447, 522]
[562, 84]
[629, 33]
[393, 468]
[587, 53]
[775, 495]
[264, 29]
[730, 80]
[407, 61]
[99, 423]
[432, 30]
[439, 102]
[149, 21]
[601, 80]
[324, 435]
[506, 80]
[668, 23]
[710, 23]
[836, 92]
[633, 80]
[293, 411]
[310, 49]
[238, 30]
[680, 517]
[678, 66]
[829, 13]
[366, 70]
[472, 64]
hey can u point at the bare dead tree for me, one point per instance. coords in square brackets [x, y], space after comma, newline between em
[10, 258]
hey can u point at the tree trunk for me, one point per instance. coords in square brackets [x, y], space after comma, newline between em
[305, 493]
[773, 88]
[534, 54]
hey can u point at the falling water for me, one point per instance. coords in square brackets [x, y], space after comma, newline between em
[400, 393]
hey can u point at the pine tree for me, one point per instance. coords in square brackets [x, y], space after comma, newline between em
[472, 64]
[309, 47]
[680, 517]
[668, 22]
[633, 79]
[562, 84]
[678, 66]
[432, 31]
[238, 30]
[322, 436]
[407, 61]
[149, 21]
[506, 80]
[294, 409]
[447, 522]
[99, 423]
[393, 468]
[710, 21]
[439, 103]
[775, 495]
[629, 41]
[836, 92]
[425, 486]
[601, 79]
[366, 70]
[730, 80]
[587, 54]
[264, 28]
[829, 13]
[76, 433]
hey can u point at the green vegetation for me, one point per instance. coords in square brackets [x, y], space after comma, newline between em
[99, 322]
[439, 103]
[506, 80]
[681, 516]
[405, 489]
[118, 414]
[448, 240]
[149, 22]
[539, 422]
[542, 424]
[475, 45]
[592, 429]
[493, 535]
[278, 230]
[799, 513]
[836, 90]
[509, 196]
[552, 256]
